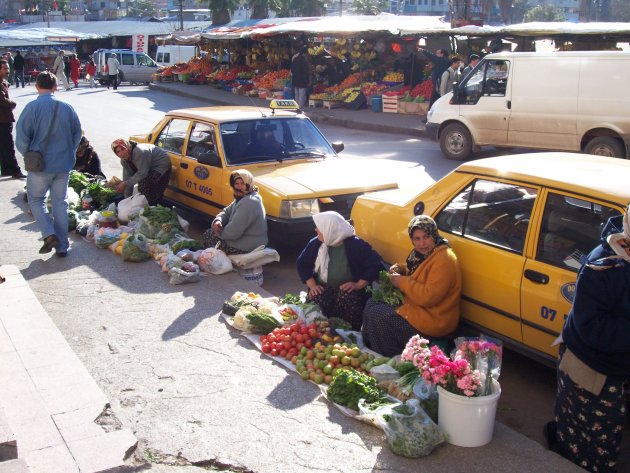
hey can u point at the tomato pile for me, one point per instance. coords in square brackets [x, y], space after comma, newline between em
[423, 89]
[289, 340]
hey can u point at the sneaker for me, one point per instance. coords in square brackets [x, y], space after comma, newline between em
[62, 254]
[549, 432]
[49, 243]
[18, 175]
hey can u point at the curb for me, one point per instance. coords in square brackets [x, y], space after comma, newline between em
[315, 116]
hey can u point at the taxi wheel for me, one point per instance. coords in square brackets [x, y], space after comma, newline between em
[456, 142]
[605, 146]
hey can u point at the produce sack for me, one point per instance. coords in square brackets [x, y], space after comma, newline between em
[428, 396]
[135, 249]
[153, 220]
[215, 261]
[255, 258]
[188, 273]
[182, 242]
[130, 205]
[105, 236]
[410, 432]
[170, 261]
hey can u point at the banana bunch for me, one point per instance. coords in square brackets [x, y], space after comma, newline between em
[352, 96]
[349, 91]
[341, 41]
[317, 50]
[394, 77]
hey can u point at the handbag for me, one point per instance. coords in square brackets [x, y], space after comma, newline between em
[34, 160]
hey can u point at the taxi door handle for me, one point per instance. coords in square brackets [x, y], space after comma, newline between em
[535, 276]
[184, 165]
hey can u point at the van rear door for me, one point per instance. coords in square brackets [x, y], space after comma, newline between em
[484, 102]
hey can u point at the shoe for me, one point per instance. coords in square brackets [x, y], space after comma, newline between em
[49, 243]
[18, 175]
[62, 254]
[549, 432]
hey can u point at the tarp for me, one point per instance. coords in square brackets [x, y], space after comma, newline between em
[182, 37]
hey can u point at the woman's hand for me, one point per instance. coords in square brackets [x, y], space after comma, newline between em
[217, 227]
[395, 279]
[314, 289]
[121, 186]
[353, 286]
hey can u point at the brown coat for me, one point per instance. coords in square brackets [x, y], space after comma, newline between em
[6, 105]
[432, 294]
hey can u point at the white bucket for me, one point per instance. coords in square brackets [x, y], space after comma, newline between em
[254, 275]
[468, 421]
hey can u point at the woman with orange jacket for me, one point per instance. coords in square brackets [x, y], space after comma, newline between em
[431, 284]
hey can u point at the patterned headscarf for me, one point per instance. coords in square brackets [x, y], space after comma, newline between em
[248, 179]
[334, 230]
[619, 241]
[121, 143]
[428, 226]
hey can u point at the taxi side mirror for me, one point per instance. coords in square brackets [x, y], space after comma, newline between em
[338, 146]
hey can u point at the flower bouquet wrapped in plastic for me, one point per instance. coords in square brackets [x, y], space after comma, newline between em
[484, 355]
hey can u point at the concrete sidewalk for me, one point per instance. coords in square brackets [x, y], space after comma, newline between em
[364, 119]
[193, 392]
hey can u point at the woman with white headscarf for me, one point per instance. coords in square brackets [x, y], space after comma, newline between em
[337, 266]
[241, 226]
[594, 361]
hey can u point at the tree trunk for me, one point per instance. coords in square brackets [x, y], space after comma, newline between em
[259, 12]
[220, 17]
[585, 10]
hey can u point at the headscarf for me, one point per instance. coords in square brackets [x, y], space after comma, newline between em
[248, 179]
[428, 226]
[621, 235]
[334, 230]
[122, 143]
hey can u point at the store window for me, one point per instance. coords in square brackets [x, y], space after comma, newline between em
[173, 135]
[491, 212]
[570, 229]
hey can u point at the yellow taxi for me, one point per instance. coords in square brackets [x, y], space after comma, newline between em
[296, 169]
[520, 226]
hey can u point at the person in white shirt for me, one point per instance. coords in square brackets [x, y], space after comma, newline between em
[449, 76]
[58, 70]
[112, 70]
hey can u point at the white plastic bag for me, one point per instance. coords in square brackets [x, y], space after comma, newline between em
[255, 258]
[131, 204]
[215, 261]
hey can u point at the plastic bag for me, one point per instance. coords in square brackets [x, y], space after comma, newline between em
[428, 396]
[134, 203]
[368, 412]
[215, 261]
[104, 237]
[255, 258]
[135, 249]
[170, 261]
[182, 242]
[180, 276]
[409, 430]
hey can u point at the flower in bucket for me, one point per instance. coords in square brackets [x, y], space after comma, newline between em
[484, 355]
[456, 375]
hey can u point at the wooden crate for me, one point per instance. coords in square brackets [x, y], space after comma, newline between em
[390, 104]
[315, 103]
[332, 104]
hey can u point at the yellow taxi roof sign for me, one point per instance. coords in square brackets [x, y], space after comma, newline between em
[283, 104]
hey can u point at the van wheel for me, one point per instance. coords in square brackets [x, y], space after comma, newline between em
[456, 142]
[605, 146]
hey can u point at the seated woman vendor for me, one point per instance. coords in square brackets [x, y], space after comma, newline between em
[431, 284]
[336, 266]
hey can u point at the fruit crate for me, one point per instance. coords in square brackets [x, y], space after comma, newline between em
[390, 104]
[332, 104]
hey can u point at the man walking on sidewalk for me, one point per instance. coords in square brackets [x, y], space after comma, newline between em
[112, 70]
[58, 70]
[51, 127]
[8, 164]
[18, 66]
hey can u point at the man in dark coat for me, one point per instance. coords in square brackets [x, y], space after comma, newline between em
[440, 64]
[8, 164]
[300, 76]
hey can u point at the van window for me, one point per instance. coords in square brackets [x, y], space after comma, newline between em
[144, 60]
[570, 229]
[491, 212]
[126, 59]
[164, 57]
[490, 80]
[172, 136]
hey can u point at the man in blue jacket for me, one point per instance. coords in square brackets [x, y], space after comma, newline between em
[440, 62]
[51, 127]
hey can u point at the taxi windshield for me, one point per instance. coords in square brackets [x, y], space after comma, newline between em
[275, 139]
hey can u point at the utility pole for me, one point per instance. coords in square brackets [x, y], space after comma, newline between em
[181, 15]
[340, 7]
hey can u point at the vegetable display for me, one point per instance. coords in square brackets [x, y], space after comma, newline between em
[78, 181]
[386, 292]
[262, 322]
[101, 195]
[348, 386]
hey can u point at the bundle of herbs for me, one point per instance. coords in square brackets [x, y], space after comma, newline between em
[385, 291]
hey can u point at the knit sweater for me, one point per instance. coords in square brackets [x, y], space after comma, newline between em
[432, 294]
[145, 158]
[244, 223]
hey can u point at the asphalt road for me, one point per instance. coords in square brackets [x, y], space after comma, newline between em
[528, 387]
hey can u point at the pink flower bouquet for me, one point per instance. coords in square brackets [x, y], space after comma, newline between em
[484, 355]
[456, 375]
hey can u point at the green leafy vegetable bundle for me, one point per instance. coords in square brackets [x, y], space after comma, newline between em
[101, 195]
[386, 292]
[159, 222]
[348, 386]
[78, 181]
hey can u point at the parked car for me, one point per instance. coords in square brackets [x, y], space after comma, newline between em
[520, 226]
[306, 177]
[134, 67]
[553, 100]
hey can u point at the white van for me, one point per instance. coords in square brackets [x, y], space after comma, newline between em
[171, 54]
[570, 101]
[134, 67]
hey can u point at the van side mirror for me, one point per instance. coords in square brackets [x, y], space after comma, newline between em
[455, 99]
